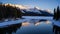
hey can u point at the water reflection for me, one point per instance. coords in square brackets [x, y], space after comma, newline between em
[25, 23]
[38, 23]
[34, 26]
[56, 29]
[42, 20]
[35, 22]
[10, 29]
[48, 22]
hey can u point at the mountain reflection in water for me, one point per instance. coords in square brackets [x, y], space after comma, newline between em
[33, 26]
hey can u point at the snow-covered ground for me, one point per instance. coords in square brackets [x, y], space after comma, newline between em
[3, 24]
[28, 18]
[57, 23]
[38, 17]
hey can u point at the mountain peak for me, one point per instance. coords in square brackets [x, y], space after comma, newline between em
[37, 7]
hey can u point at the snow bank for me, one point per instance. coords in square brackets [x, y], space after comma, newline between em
[57, 23]
[38, 17]
[3, 24]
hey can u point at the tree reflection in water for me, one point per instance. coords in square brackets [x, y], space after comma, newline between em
[33, 29]
[10, 29]
[56, 29]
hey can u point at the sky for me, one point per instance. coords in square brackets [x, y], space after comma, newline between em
[43, 4]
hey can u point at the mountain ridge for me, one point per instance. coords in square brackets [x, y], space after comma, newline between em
[32, 11]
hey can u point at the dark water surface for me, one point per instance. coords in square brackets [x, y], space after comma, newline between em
[32, 26]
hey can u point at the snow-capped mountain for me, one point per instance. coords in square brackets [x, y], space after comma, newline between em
[38, 12]
[31, 11]
[17, 5]
[35, 10]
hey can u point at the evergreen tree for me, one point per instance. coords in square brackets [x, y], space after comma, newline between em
[54, 13]
[9, 12]
[57, 13]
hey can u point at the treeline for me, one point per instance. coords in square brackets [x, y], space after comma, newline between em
[57, 13]
[7, 11]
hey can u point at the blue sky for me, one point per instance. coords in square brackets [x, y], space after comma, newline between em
[43, 4]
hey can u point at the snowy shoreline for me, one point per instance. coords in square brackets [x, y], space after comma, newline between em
[57, 23]
[27, 18]
[4, 24]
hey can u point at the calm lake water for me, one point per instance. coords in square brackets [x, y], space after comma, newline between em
[30, 26]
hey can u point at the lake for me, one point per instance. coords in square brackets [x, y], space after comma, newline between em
[31, 25]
